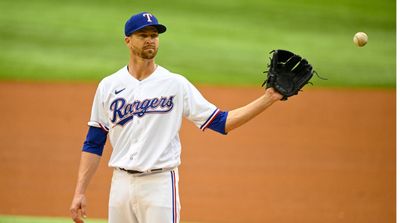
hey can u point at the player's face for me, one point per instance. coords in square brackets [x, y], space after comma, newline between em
[144, 42]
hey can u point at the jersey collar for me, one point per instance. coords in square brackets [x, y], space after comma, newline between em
[150, 77]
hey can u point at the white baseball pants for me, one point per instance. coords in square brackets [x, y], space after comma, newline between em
[152, 198]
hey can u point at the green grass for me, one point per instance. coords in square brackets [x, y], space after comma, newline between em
[211, 42]
[29, 219]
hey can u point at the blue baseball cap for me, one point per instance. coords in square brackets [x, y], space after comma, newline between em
[142, 20]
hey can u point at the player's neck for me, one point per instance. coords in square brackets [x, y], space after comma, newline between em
[142, 68]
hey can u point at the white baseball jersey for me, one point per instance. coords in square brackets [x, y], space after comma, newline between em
[143, 118]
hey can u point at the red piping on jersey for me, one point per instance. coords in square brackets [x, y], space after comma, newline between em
[103, 127]
[210, 119]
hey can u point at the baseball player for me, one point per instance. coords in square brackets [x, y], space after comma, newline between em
[140, 107]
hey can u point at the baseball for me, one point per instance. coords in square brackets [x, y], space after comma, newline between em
[360, 39]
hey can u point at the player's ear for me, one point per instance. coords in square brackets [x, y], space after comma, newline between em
[127, 40]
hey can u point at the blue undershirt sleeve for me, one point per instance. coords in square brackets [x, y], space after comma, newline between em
[218, 124]
[95, 141]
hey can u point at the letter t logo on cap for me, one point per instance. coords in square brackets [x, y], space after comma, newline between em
[148, 16]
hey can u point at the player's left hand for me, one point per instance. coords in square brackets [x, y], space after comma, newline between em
[273, 94]
[78, 208]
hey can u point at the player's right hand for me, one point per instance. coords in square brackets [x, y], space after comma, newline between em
[78, 208]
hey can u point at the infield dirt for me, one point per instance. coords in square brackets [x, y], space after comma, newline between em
[327, 155]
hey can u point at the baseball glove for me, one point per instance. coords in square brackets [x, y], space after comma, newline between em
[287, 73]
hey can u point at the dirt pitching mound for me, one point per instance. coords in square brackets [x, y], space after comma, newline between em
[322, 156]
